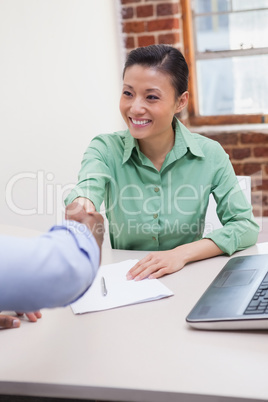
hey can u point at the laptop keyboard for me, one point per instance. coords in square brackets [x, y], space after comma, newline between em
[259, 302]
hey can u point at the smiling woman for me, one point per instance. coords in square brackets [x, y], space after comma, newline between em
[156, 177]
[148, 105]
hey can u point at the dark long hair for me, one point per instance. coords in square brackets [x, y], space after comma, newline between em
[165, 59]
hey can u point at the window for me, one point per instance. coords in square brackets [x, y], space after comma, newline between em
[226, 47]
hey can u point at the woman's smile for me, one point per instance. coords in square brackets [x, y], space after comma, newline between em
[140, 122]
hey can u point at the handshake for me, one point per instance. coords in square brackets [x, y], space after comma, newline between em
[91, 218]
[60, 256]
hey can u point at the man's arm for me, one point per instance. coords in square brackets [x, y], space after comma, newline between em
[54, 269]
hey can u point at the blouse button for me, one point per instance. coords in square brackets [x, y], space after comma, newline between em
[155, 216]
[156, 189]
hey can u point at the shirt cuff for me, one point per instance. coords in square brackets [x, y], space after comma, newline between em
[84, 238]
[75, 193]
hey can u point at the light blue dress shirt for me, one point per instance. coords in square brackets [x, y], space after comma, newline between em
[51, 270]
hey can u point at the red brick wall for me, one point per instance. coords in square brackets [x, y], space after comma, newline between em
[146, 22]
[248, 151]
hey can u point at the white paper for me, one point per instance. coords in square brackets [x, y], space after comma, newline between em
[120, 291]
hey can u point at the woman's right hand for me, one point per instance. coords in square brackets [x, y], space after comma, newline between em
[87, 205]
[76, 211]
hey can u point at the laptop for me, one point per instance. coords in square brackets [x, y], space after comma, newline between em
[237, 299]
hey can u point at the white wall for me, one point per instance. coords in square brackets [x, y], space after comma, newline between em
[60, 82]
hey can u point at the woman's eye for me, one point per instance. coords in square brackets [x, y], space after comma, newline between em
[152, 97]
[127, 93]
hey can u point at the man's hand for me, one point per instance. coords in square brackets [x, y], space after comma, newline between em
[7, 321]
[93, 220]
[31, 316]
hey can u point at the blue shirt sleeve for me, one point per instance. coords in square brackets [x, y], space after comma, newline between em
[51, 270]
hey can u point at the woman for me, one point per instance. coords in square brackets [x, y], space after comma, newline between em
[156, 177]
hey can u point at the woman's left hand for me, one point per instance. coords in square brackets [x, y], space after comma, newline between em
[157, 264]
[160, 263]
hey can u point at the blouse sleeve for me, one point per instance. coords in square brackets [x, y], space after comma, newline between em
[239, 229]
[94, 173]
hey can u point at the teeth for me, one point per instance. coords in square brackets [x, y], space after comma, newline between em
[140, 121]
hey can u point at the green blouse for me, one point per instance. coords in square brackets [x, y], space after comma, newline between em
[149, 209]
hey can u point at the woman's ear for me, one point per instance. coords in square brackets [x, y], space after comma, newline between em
[182, 101]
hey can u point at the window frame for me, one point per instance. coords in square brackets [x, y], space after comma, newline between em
[195, 119]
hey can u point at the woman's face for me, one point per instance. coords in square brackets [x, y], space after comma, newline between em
[148, 102]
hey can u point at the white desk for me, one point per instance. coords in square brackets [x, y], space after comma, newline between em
[144, 352]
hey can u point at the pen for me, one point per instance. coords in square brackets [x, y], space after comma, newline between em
[103, 286]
